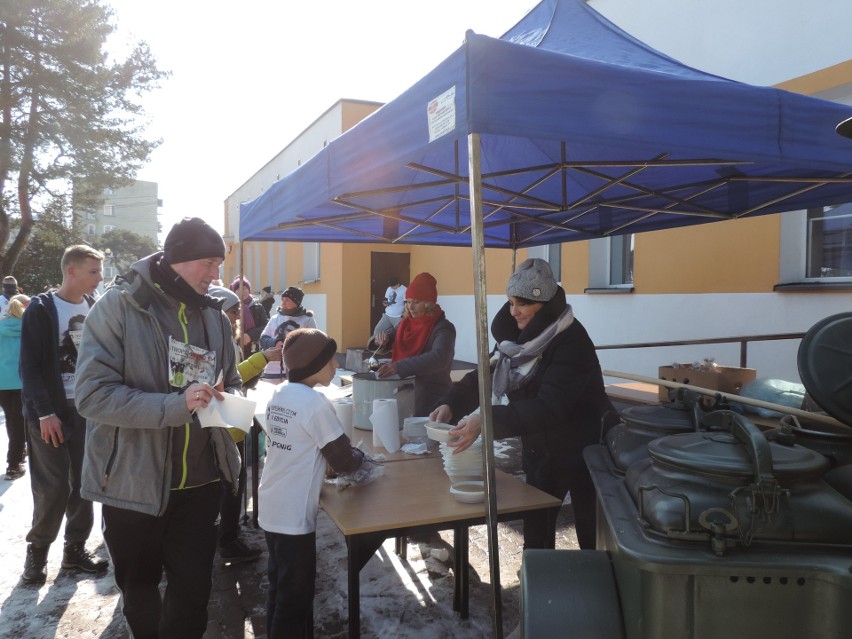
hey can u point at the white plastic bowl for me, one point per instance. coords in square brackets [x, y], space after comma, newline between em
[468, 492]
[439, 432]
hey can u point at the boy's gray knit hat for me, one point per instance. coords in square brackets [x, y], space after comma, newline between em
[532, 280]
[306, 351]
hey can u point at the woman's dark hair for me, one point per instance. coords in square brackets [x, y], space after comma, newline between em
[393, 280]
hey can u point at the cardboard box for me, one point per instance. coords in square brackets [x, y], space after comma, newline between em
[728, 379]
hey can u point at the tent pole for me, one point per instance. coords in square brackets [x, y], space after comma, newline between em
[240, 292]
[480, 295]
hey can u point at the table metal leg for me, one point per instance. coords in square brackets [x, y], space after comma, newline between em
[255, 469]
[354, 578]
[360, 548]
[401, 547]
[461, 577]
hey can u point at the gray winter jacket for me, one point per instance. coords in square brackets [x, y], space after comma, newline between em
[122, 389]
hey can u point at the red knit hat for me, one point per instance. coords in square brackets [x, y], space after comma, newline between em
[424, 287]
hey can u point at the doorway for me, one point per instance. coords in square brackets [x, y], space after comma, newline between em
[382, 267]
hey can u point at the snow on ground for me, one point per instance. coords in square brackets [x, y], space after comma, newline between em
[399, 598]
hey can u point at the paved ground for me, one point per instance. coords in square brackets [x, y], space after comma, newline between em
[410, 598]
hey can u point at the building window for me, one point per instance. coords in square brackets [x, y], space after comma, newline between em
[611, 264]
[108, 227]
[109, 272]
[91, 216]
[621, 260]
[109, 209]
[550, 253]
[311, 262]
[90, 229]
[829, 242]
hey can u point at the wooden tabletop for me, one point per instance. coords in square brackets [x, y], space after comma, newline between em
[634, 392]
[417, 493]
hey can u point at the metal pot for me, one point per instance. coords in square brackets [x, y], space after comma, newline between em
[628, 441]
[366, 388]
[731, 486]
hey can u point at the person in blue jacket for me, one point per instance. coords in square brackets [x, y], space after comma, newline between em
[10, 385]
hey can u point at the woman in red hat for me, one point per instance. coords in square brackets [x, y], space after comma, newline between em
[424, 345]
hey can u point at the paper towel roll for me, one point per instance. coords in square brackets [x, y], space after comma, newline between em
[343, 408]
[385, 421]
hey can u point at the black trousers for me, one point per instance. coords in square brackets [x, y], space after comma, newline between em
[16, 427]
[557, 476]
[292, 571]
[182, 542]
[55, 479]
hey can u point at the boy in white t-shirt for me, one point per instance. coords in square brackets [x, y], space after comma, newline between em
[303, 436]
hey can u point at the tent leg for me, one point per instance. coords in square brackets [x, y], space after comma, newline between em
[480, 295]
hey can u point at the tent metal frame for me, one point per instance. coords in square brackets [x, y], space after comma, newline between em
[520, 206]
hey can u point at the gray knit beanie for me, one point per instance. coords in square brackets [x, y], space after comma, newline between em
[532, 280]
[306, 351]
[228, 297]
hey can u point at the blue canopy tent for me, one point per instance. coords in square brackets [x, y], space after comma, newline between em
[566, 128]
[585, 132]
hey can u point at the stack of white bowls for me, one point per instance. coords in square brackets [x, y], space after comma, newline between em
[464, 465]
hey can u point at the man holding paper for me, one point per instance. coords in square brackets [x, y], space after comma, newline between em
[155, 350]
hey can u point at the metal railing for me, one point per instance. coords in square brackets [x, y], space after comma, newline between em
[743, 341]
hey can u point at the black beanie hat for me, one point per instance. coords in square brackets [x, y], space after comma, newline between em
[306, 351]
[294, 293]
[192, 239]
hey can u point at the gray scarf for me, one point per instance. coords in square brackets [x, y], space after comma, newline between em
[515, 363]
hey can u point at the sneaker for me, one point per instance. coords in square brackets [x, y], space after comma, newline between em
[35, 566]
[238, 552]
[76, 556]
[14, 472]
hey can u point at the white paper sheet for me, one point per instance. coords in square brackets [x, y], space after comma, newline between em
[234, 411]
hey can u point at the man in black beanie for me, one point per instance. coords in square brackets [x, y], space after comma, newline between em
[155, 350]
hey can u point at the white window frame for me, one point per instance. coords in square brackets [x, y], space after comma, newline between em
[109, 272]
[311, 262]
[550, 253]
[91, 229]
[793, 267]
[601, 252]
[109, 227]
[109, 210]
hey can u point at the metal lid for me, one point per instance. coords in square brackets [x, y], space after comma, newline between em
[670, 418]
[825, 365]
[720, 453]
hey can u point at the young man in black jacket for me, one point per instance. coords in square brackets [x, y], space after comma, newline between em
[50, 334]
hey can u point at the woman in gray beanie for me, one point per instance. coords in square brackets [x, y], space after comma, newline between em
[545, 363]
